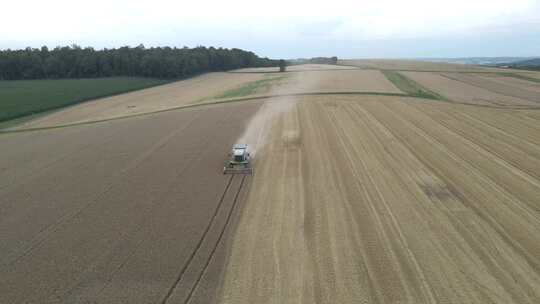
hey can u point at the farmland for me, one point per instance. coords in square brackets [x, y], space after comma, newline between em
[167, 96]
[417, 199]
[374, 182]
[470, 92]
[117, 212]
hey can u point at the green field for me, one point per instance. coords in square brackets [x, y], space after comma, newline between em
[19, 98]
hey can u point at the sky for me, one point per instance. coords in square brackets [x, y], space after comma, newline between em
[283, 28]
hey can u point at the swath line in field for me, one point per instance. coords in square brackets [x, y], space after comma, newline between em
[227, 221]
[199, 244]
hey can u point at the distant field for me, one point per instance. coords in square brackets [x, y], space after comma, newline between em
[414, 65]
[24, 97]
[465, 92]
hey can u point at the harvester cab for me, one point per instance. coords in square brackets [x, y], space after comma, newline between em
[239, 161]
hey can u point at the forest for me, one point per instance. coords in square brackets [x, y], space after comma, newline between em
[157, 62]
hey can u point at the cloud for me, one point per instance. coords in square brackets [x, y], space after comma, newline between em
[251, 24]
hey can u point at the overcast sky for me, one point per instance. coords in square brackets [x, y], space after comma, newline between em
[284, 29]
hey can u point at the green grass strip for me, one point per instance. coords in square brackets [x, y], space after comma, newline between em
[411, 87]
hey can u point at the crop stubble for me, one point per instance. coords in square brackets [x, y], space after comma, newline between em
[510, 86]
[465, 92]
[339, 81]
[380, 200]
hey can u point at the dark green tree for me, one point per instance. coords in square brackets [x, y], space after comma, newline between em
[161, 62]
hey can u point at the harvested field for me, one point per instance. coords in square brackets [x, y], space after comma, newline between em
[513, 81]
[387, 200]
[338, 81]
[464, 92]
[414, 65]
[509, 86]
[126, 211]
[321, 81]
[163, 97]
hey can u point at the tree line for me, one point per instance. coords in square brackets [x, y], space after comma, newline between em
[317, 60]
[324, 60]
[159, 62]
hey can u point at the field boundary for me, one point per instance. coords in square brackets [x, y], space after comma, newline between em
[255, 98]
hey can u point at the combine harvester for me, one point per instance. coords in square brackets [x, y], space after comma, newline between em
[239, 162]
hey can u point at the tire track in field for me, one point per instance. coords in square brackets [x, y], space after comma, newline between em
[508, 276]
[376, 237]
[229, 190]
[507, 166]
[210, 257]
[199, 244]
[502, 92]
[449, 149]
[508, 151]
[518, 127]
[329, 276]
[392, 190]
[507, 129]
[118, 255]
[425, 289]
[188, 164]
[502, 229]
[439, 239]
